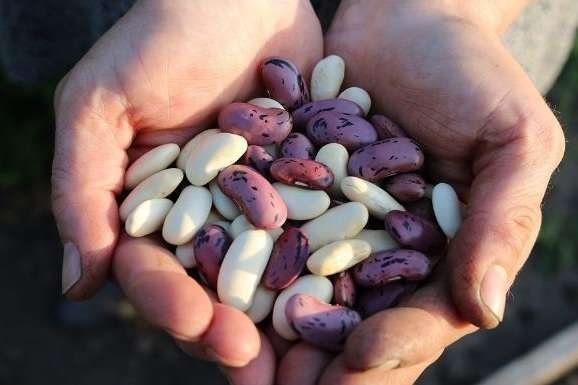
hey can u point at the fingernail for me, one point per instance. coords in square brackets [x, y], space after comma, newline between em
[390, 365]
[493, 290]
[71, 267]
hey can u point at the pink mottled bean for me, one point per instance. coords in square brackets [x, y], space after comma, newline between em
[320, 324]
[351, 131]
[210, 245]
[297, 146]
[284, 82]
[260, 126]
[407, 187]
[254, 195]
[422, 208]
[384, 266]
[258, 158]
[287, 259]
[302, 172]
[385, 158]
[344, 292]
[307, 111]
[386, 128]
[414, 232]
[373, 301]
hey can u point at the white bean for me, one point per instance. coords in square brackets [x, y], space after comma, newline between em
[149, 163]
[338, 256]
[334, 156]
[359, 96]
[186, 255]
[446, 206]
[188, 215]
[147, 217]
[241, 224]
[303, 204]
[327, 77]
[265, 103]
[262, 305]
[379, 240]
[377, 200]
[224, 205]
[192, 145]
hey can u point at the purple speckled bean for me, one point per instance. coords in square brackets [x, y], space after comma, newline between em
[414, 232]
[385, 266]
[385, 158]
[254, 195]
[284, 82]
[386, 128]
[287, 259]
[258, 158]
[422, 208]
[344, 292]
[351, 131]
[302, 172]
[373, 301]
[307, 111]
[210, 245]
[320, 324]
[297, 146]
[258, 125]
[405, 187]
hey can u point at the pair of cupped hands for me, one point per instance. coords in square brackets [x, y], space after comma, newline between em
[438, 68]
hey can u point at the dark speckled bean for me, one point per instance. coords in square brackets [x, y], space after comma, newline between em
[254, 195]
[284, 82]
[407, 187]
[384, 266]
[414, 232]
[210, 245]
[287, 259]
[258, 125]
[373, 301]
[385, 158]
[298, 146]
[386, 128]
[351, 131]
[258, 158]
[422, 208]
[320, 324]
[307, 111]
[302, 172]
[344, 292]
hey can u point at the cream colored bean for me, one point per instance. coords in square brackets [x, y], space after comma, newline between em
[225, 225]
[334, 156]
[376, 199]
[446, 206]
[338, 256]
[243, 267]
[262, 305]
[213, 217]
[158, 185]
[186, 255]
[147, 217]
[216, 152]
[241, 224]
[379, 240]
[192, 145]
[224, 205]
[327, 77]
[303, 204]
[149, 163]
[188, 215]
[266, 103]
[315, 285]
[341, 222]
[359, 96]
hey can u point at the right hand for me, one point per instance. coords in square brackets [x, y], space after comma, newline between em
[158, 76]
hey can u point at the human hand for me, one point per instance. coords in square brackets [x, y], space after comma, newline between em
[441, 71]
[159, 76]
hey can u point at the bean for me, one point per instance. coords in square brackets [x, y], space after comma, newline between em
[422, 208]
[224, 205]
[385, 266]
[210, 245]
[260, 126]
[284, 82]
[254, 195]
[344, 292]
[377, 201]
[385, 158]
[188, 215]
[334, 156]
[287, 260]
[265, 103]
[150, 163]
[446, 207]
[186, 255]
[320, 324]
[358, 96]
[386, 128]
[374, 300]
[302, 172]
[302, 204]
[327, 77]
[306, 112]
[378, 239]
[262, 305]
[405, 187]
[414, 232]
[241, 224]
[298, 146]
[147, 217]
[338, 256]
[258, 158]
[192, 146]
[334, 127]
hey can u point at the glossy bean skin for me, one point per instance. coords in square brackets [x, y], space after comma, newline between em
[406, 187]
[302, 172]
[307, 111]
[385, 266]
[284, 82]
[385, 158]
[210, 245]
[414, 232]
[351, 131]
[320, 324]
[344, 292]
[422, 208]
[287, 259]
[260, 126]
[254, 195]
[386, 128]
[298, 146]
[373, 301]
[258, 158]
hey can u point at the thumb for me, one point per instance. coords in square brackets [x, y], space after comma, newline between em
[519, 148]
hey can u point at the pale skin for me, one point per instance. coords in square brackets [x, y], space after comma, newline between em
[436, 67]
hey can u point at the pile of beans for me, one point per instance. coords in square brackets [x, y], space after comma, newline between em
[297, 206]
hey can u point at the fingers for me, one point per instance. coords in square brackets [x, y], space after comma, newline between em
[260, 371]
[302, 365]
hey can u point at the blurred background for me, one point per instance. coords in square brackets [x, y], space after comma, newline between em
[44, 339]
